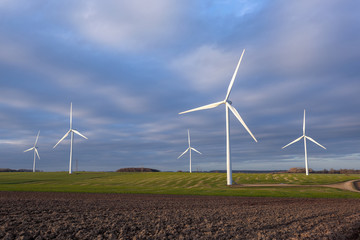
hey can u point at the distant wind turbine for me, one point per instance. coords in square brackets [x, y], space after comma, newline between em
[71, 131]
[36, 153]
[189, 148]
[305, 137]
[228, 106]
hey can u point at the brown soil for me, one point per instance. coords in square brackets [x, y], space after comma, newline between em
[357, 185]
[124, 216]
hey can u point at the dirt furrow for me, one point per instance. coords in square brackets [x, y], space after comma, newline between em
[125, 216]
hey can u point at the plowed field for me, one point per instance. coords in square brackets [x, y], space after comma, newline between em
[33, 215]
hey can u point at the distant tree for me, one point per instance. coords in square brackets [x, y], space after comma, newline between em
[331, 171]
[299, 170]
[6, 170]
[142, 169]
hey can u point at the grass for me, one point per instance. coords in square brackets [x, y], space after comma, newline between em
[178, 183]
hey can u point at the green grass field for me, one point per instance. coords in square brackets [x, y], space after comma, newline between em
[178, 183]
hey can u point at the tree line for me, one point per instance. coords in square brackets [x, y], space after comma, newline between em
[325, 171]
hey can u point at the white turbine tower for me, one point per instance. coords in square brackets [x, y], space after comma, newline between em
[228, 106]
[36, 153]
[71, 131]
[305, 137]
[189, 148]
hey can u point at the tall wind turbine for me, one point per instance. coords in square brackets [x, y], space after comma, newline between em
[36, 153]
[71, 131]
[189, 148]
[305, 137]
[228, 106]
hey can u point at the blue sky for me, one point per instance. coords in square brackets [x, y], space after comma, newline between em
[130, 67]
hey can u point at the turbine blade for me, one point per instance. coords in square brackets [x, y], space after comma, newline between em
[315, 142]
[29, 149]
[234, 76]
[71, 115]
[195, 150]
[183, 153]
[298, 139]
[189, 137]
[304, 124]
[77, 132]
[66, 134]
[212, 105]
[37, 153]
[237, 115]
[37, 137]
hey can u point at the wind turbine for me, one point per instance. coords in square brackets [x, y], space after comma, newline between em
[189, 148]
[305, 137]
[228, 106]
[71, 131]
[36, 153]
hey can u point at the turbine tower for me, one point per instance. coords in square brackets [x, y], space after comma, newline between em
[189, 148]
[305, 137]
[228, 106]
[71, 131]
[36, 153]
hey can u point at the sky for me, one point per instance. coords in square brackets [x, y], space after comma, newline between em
[129, 68]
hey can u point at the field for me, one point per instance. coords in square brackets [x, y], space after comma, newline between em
[289, 185]
[165, 206]
[35, 215]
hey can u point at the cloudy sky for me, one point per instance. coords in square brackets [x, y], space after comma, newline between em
[130, 67]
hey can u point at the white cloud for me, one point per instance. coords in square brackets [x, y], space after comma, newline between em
[129, 102]
[208, 67]
[14, 142]
[127, 25]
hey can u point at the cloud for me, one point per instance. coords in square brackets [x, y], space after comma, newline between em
[13, 142]
[206, 67]
[127, 25]
[74, 80]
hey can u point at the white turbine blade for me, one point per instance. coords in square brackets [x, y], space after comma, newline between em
[37, 153]
[237, 115]
[234, 76]
[71, 115]
[195, 150]
[189, 137]
[298, 139]
[183, 153]
[212, 105]
[29, 149]
[315, 142]
[66, 134]
[304, 124]
[37, 137]
[77, 132]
